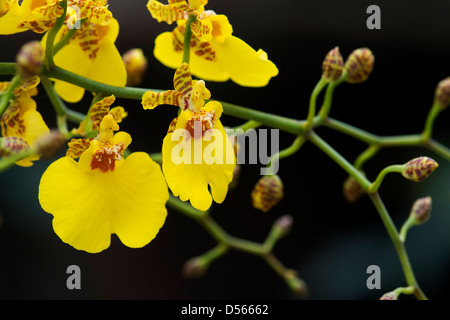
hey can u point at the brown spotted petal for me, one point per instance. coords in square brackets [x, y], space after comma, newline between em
[419, 168]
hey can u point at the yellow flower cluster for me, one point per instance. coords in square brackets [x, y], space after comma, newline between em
[97, 189]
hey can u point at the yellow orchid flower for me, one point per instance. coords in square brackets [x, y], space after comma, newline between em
[104, 194]
[21, 124]
[40, 15]
[196, 151]
[217, 55]
[90, 53]
[98, 111]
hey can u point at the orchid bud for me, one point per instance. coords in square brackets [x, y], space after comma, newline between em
[359, 65]
[136, 66]
[30, 59]
[12, 145]
[49, 144]
[333, 65]
[352, 190]
[267, 192]
[421, 210]
[442, 95]
[419, 168]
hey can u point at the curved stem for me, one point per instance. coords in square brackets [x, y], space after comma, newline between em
[8, 68]
[49, 46]
[429, 123]
[365, 156]
[6, 97]
[398, 244]
[187, 39]
[312, 103]
[341, 161]
[377, 183]
[327, 101]
[273, 164]
[67, 37]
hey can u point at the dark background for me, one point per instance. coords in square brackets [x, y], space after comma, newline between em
[332, 243]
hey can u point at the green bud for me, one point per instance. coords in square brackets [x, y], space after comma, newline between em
[49, 144]
[389, 296]
[352, 190]
[442, 95]
[284, 225]
[333, 65]
[297, 285]
[359, 65]
[267, 192]
[136, 65]
[30, 59]
[419, 168]
[195, 268]
[421, 210]
[12, 145]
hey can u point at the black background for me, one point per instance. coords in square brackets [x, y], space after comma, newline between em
[332, 243]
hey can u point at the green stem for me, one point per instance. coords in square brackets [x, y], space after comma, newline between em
[75, 116]
[327, 101]
[341, 161]
[351, 131]
[429, 122]
[187, 39]
[245, 126]
[403, 290]
[438, 148]
[398, 244]
[368, 154]
[66, 39]
[271, 120]
[9, 161]
[6, 97]
[377, 183]
[58, 105]
[8, 68]
[95, 86]
[312, 103]
[409, 223]
[51, 35]
[289, 151]
[214, 253]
